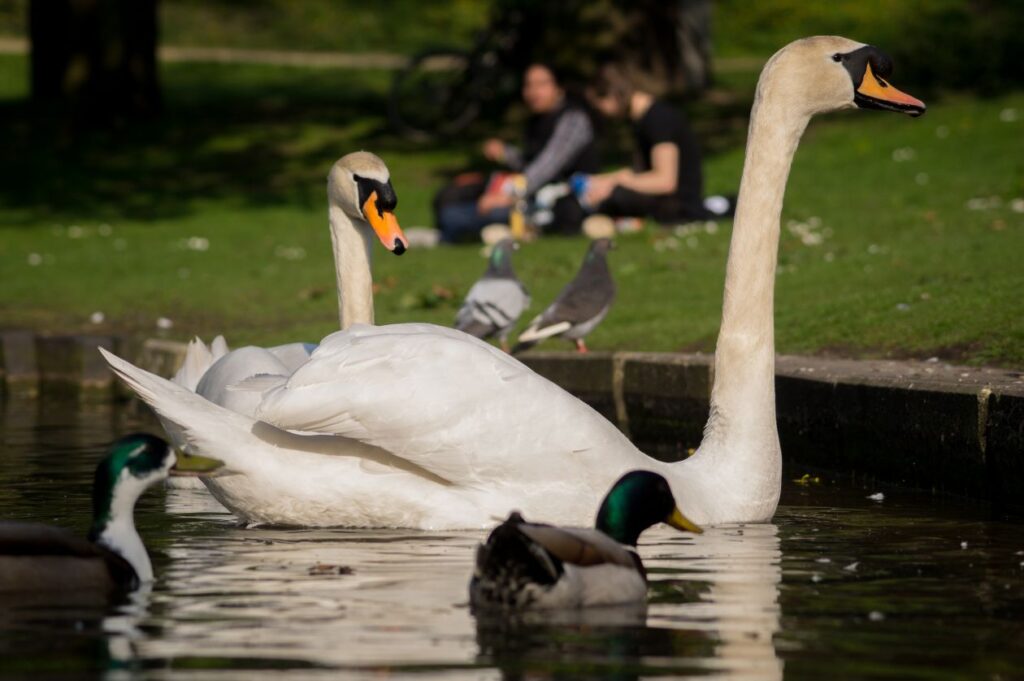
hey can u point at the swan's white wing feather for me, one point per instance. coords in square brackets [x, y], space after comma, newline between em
[293, 355]
[198, 359]
[224, 434]
[259, 383]
[194, 421]
[219, 348]
[232, 369]
[444, 401]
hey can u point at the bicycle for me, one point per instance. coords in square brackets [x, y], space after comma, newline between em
[442, 91]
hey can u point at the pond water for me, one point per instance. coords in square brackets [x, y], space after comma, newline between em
[839, 586]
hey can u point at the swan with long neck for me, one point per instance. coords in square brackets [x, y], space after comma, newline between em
[361, 204]
[413, 425]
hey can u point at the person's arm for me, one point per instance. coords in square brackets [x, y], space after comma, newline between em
[663, 176]
[660, 179]
[499, 152]
[571, 134]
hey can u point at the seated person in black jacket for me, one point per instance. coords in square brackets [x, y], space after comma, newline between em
[665, 182]
[557, 142]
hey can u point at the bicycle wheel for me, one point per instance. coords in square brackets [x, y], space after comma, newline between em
[434, 95]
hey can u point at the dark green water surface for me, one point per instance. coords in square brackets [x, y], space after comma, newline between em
[839, 586]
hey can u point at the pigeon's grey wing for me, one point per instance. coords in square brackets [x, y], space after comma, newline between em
[493, 303]
[580, 301]
[465, 319]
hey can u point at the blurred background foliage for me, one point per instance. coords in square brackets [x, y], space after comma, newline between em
[398, 26]
[965, 44]
[940, 44]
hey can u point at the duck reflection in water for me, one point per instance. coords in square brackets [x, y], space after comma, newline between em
[714, 608]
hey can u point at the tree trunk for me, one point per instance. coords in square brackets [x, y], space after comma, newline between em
[94, 61]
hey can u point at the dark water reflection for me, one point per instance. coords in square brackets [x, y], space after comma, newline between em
[838, 587]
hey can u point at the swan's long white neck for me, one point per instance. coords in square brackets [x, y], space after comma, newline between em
[352, 252]
[742, 421]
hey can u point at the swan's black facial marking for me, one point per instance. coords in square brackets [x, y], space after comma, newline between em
[386, 201]
[856, 62]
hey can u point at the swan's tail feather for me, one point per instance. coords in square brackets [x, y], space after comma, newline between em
[199, 358]
[219, 348]
[191, 421]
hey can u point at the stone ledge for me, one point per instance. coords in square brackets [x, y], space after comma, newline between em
[925, 424]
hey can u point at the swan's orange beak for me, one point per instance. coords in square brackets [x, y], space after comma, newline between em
[385, 224]
[875, 93]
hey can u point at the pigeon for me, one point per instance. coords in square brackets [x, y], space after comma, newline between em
[581, 305]
[496, 301]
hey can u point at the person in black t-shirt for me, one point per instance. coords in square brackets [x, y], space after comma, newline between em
[665, 182]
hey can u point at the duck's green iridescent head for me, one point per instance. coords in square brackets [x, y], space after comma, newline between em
[131, 465]
[637, 501]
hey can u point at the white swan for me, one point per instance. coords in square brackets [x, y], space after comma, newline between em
[412, 425]
[361, 202]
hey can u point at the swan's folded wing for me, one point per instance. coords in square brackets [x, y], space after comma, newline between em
[444, 401]
[198, 425]
[293, 355]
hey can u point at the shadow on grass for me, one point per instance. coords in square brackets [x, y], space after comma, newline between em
[236, 135]
[240, 135]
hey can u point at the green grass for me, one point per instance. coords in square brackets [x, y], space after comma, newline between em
[240, 159]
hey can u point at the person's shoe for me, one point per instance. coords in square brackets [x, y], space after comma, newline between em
[599, 227]
[629, 225]
[495, 232]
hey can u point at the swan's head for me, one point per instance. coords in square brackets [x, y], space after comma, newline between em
[825, 73]
[360, 184]
[638, 500]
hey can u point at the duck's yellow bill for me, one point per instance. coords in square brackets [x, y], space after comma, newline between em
[195, 465]
[385, 224]
[681, 522]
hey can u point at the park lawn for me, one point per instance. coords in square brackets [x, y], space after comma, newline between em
[215, 219]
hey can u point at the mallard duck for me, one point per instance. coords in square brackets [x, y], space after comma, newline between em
[529, 566]
[496, 301]
[580, 307]
[414, 425]
[41, 558]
